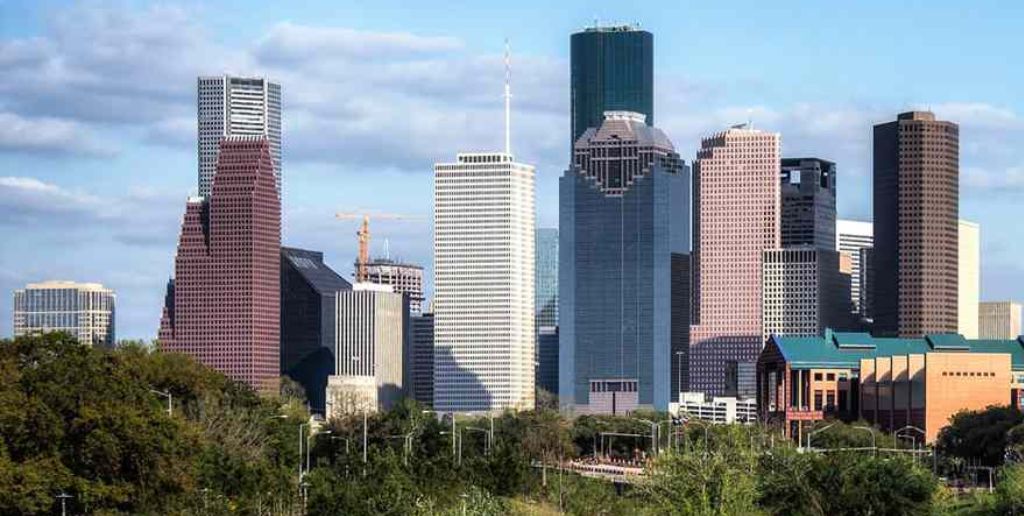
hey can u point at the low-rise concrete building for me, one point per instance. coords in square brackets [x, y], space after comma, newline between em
[718, 409]
[890, 382]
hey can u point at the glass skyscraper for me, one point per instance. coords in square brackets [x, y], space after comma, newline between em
[623, 269]
[612, 69]
[546, 278]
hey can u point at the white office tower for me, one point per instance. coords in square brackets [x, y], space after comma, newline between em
[483, 284]
[968, 278]
[851, 237]
[232, 106]
[83, 310]
[484, 224]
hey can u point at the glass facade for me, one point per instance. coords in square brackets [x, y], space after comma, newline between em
[85, 311]
[308, 321]
[617, 249]
[612, 69]
[546, 278]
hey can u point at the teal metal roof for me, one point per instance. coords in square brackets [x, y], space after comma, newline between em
[845, 350]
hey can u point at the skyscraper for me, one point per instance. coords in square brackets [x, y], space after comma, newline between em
[852, 238]
[808, 203]
[546, 281]
[804, 292]
[624, 268]
[612, 69]
[483, 283]
[968, 278]
[999, 320]
[236, 106]
[83, 310]
[736, 217]
[223, 307]
[916, 205]
[422, 326]
[309, 290]
[371, 359]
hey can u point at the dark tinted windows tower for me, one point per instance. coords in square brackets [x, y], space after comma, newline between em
[612, 69]
[916, 205]
[308, 321]
[808, 203]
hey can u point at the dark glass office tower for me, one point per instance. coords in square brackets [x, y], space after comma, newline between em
[308, 321]
[624, 276]
[808, 203]
[612, 69]
[917, 203]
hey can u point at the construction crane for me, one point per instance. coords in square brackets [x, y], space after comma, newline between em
[364, 236]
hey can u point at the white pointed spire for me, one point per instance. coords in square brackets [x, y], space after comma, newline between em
[508, 99]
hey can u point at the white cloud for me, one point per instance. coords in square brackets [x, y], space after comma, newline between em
[288, 42]
[1009, 180]
[52, 136]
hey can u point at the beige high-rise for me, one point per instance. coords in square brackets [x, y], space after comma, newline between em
[968, 286]
[999, 320]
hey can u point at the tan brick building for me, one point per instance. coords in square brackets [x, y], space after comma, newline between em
[891, 383]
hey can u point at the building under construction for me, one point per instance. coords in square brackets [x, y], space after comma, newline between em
[404, 278]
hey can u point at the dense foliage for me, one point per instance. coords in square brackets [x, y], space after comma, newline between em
[86, 422]
[90, 423]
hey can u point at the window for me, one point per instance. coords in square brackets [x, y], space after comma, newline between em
[817, 400]
[830, 376]
[817, 377]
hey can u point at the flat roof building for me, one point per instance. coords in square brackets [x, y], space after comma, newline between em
[736, 217]
[236, 106]
[808, 216]
[611, 69]
[916, 208]
[371, 357]
[856, 239]
[83, 310]
[968, 278]
[999, 320]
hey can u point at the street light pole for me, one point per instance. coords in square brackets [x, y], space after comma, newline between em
[63, 502]
[300, 450]
[170, 407]
[822, 429]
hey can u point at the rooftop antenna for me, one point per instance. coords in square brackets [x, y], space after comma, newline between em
[750, 119]
[508, 99]
[387, 249]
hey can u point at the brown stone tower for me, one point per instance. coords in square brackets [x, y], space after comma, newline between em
[916, 205]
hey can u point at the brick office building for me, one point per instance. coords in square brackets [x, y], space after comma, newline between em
[916, 206]
[889, 382]
[223, 305]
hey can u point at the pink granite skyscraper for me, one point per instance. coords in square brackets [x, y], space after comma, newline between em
[223, 307]
[736, 217]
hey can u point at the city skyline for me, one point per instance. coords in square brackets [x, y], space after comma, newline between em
[107, 171]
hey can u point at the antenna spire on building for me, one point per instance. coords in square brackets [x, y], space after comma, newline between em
[508, 99]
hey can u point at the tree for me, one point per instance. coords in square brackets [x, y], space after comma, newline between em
[979, 435]
[86, 421]
[714, 480]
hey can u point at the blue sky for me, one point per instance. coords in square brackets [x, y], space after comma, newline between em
[97, 112]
